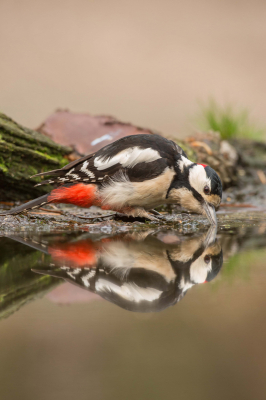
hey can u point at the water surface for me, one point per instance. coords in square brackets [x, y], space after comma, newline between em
[150, 314]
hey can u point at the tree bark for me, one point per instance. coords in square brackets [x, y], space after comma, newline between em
[25, 152]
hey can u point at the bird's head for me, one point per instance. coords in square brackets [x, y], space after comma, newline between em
[197, 188]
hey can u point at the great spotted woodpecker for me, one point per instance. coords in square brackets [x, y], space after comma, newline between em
[134, 175]
[136, 273]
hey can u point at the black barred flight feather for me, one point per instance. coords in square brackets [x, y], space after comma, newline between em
[141, 290]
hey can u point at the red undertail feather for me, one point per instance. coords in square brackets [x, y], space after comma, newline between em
[80, 195]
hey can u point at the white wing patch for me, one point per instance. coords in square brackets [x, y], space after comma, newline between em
[129, 291]
[86, 170]
[127, 158]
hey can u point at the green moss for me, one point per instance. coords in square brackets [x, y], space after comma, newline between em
[228, 121]
[24, 135]
[24, 153]
[190, 152]
[3, 168]
[46, 156]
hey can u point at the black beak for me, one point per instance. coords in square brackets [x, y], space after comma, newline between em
[210, 213]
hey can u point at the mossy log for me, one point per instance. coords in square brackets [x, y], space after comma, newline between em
[25, 152]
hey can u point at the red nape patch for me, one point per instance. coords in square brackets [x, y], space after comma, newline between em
[204, 165]
[81, 195]
[76, 254]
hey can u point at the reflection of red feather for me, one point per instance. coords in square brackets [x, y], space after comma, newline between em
[82, 253]
[81, 195]
[78, 254]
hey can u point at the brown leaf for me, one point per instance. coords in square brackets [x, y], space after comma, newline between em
[203, 145]
[84, 132]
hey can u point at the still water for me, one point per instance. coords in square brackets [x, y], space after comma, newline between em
[143, 315]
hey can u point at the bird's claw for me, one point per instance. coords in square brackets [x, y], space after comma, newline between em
[158, 216]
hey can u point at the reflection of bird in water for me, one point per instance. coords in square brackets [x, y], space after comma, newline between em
[138, 275]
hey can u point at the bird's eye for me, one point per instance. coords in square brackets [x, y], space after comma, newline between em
[206, 190]
[207, 259]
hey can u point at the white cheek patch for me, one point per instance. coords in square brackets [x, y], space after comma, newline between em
[127, 158]
[198, 178]
[184, 162]
[199, 270]
[86, 170]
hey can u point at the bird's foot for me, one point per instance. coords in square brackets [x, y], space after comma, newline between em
[155, 212]
[159, 216]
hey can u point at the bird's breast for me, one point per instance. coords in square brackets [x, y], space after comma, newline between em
[122, 192]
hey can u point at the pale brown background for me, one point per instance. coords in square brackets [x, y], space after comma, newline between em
[144, 61]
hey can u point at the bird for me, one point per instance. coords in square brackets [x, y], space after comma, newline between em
[139, 271]
[132, 176]
[139, 274]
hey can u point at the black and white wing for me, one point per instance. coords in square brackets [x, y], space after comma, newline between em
[141, 157]
[140, 291]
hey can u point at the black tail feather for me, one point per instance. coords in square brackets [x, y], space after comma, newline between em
[30, 243]
[53, 172]
[56, 273]
[48, 182]
[40, 201]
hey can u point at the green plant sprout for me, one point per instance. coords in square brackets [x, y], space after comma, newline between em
[228, 121]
